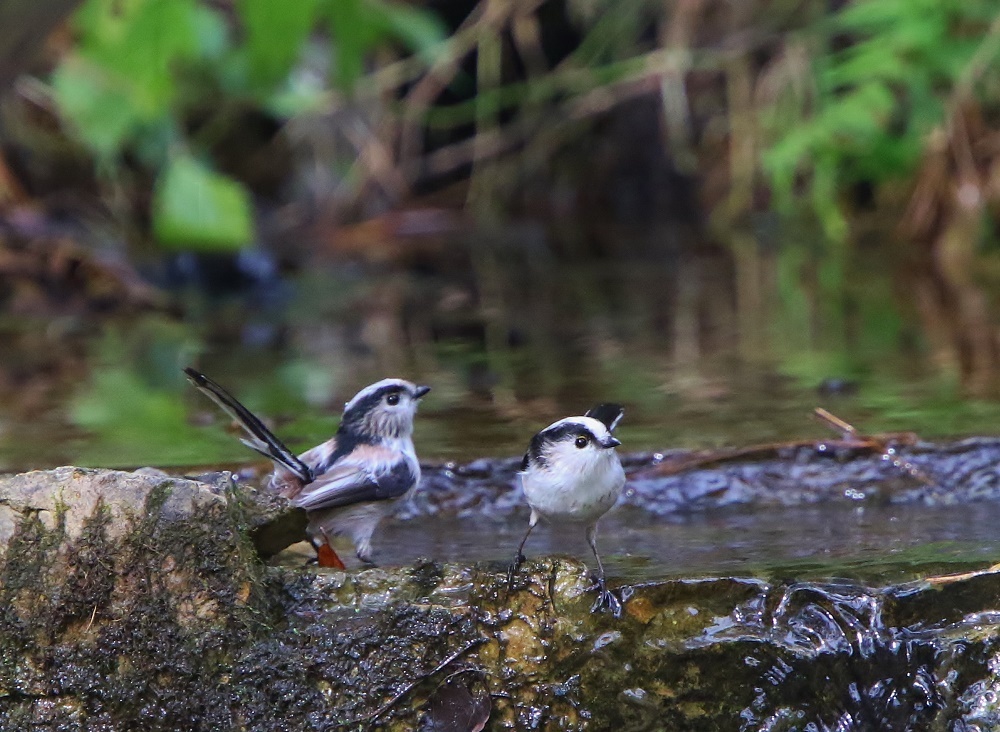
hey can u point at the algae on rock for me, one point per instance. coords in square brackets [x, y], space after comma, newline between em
[155, 612]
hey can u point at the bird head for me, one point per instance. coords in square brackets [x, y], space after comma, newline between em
[383, 410]
[574, 444]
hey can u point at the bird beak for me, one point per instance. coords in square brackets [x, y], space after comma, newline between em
[611, 442]
[420, 391]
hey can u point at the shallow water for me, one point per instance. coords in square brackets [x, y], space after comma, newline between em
[799, 514]
[873, 544]
[511, 338]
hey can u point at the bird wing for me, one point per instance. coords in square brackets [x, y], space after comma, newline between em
[318, 458]
[289, 484]
[368, 473]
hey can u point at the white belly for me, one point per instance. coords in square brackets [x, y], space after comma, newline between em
[584, 497]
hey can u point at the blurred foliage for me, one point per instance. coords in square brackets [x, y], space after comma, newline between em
[803, 99]
[141, 71]
[884, 75]
[196, 208]
[132, 400]
[838, 97]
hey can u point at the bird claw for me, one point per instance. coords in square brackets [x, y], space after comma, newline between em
[513, 569]
[606, 600]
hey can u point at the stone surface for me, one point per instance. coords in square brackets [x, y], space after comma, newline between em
[156, 613]
[72, 495]
[682, 481]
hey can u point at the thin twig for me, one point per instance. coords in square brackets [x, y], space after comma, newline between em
[414, 684]
[888, 451]
[845, 428]
[91, 621]
[851, 439]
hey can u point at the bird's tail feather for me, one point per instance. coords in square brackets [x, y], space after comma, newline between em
[609, 414]
[260, 438]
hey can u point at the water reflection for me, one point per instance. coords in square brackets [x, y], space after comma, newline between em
[706, 345]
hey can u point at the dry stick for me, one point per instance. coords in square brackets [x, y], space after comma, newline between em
[989, 47]
[374, 159]
[424, 92]
[851, 439]
[11, 188]
[889, 454]
[703, 459]
[496, 141]
[526, 34]
[413, 685]
[845, 428]
[677, 33]
[582, 103]
[586, 97]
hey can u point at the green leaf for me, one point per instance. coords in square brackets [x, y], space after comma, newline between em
[99, 110]
[133, 407]
[275, 32]
[198, 209]
[354, 32]
[358, 26]
[212, 33]
[145, 53]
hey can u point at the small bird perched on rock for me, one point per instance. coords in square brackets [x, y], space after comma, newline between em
[571, 473]
[347, 483]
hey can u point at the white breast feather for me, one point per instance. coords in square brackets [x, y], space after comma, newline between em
[577, 487]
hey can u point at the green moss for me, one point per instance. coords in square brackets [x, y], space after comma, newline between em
[134, 630]
[176, 624]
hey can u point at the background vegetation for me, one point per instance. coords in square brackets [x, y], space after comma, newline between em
[810, 189]
[801, 100]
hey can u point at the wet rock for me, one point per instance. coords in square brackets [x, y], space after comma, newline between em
[462, 703]
[959, 472]
[273, 524]
[156, 613]
[70, 496]
[122, 597]
[687, 655]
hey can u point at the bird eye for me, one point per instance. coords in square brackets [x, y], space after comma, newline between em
[581, 442]
[392, 400]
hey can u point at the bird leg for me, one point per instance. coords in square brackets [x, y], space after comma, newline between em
[519, 556]
[364, 553]
[606, 599]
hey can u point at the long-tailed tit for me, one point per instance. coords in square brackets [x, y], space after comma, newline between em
[347, 483]
[571, 473]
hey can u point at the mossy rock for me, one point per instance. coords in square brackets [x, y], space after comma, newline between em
[157, 613]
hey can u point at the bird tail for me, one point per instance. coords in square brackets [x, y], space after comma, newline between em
[608, 414]
[259, 437]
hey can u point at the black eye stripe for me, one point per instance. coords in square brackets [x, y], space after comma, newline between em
[566, 432]
[355, 415]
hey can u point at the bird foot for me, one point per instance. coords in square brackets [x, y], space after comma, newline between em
[513, 569]
[327, 557]
[606, 600]
[367, 558]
